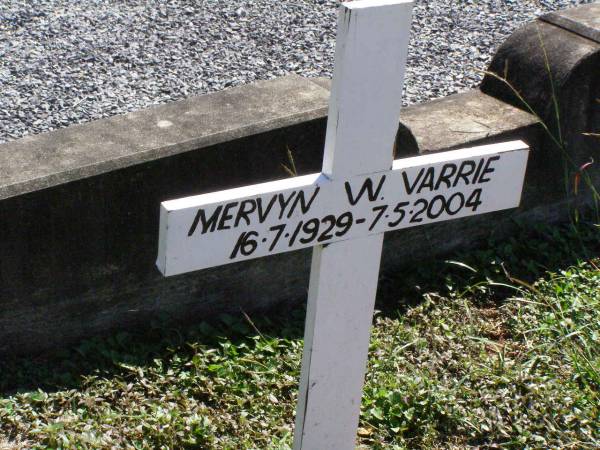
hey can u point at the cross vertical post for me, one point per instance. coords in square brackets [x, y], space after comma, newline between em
[343, 213]
[366, 95]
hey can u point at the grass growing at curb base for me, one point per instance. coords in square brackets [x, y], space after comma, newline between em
[498, 348]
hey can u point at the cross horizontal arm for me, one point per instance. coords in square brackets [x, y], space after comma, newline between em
[244, 223]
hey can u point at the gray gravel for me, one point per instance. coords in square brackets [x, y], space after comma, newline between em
[67, 61]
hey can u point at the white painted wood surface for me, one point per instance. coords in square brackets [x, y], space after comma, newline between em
[364, 107]
[341, 297]
[366, 96]
[327, 211]
[254, 221]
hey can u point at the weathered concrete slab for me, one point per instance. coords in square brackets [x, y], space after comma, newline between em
[463, 119]
[583, 20]
[575, 71]
[77, 258]
[82, 151]
[557, 74]
[79, 207]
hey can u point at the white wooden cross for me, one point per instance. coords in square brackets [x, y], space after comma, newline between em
[343, 212]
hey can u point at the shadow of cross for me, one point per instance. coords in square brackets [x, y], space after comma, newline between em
[343, 212]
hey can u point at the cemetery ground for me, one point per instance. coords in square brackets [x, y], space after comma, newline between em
[497, 348]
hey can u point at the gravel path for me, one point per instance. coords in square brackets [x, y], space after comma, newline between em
[67, 61]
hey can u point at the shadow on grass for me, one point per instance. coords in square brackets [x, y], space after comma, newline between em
[534, 251]
[528, 255]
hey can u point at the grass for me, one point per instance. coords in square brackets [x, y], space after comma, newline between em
[499, 350]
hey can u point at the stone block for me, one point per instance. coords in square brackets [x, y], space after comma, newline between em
[79, 207]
